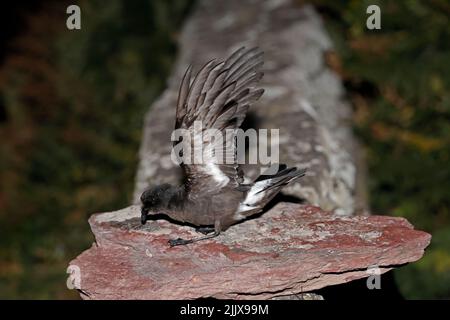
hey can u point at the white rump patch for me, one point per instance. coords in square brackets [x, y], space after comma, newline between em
[253, 198]
[217, 174]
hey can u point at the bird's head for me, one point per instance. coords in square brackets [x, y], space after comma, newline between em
[153, 200]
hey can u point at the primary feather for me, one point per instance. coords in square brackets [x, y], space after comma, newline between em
[219, 96]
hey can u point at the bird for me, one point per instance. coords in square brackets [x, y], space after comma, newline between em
[213, 195]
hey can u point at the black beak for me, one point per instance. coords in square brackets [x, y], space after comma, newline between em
[144, 212]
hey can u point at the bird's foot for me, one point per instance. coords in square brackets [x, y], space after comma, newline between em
[144, 213]
[178, 242]
[205, 230]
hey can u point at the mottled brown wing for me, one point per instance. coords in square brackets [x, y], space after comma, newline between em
[217, 98]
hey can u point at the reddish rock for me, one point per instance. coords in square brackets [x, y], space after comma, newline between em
[288, 250]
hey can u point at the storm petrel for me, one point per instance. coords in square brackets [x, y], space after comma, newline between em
[214, 195]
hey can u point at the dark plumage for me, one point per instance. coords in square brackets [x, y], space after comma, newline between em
[214, 194]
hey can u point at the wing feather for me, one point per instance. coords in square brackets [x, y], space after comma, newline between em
[182, 95]
[252, 63]
[197, 86]
[219, 96]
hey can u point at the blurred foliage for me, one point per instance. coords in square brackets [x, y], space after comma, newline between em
[71, 113]
[398, 79]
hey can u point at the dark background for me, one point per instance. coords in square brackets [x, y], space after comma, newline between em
[72, 104]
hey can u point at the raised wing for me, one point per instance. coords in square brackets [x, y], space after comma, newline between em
[211, 108]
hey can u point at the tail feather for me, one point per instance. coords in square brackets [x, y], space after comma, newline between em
[281, 169]
[282, 180]
[266, 187]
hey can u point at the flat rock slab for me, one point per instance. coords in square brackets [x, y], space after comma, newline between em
[290, 249]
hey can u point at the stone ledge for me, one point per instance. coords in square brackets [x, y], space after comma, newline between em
[290, 249]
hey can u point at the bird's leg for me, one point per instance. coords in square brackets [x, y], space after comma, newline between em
[144, 213]
[205, 230]
[180, 242]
